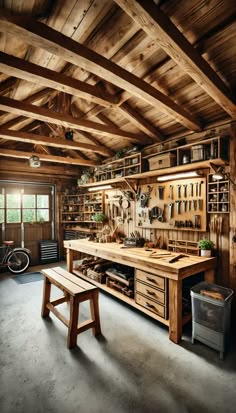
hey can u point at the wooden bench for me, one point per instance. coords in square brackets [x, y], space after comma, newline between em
[75, 291]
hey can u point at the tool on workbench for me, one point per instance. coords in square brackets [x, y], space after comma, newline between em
[176, 258]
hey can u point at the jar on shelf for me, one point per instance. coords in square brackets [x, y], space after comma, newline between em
[224, 208]
[213, 207]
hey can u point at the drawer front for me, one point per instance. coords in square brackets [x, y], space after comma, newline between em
[150, 305]
[151, 279]
[150, 292]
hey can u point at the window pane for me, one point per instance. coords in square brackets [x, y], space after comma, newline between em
[13, 215]
[28, 201]
[28, 215]
[1, 201]
[42, 201]
[1, 216]
[13, 200]
[42, 215]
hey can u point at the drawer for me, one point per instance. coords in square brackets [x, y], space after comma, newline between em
[151, 279]
[150, 305]
[150, 292]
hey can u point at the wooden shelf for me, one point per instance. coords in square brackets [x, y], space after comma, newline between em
[121, 297]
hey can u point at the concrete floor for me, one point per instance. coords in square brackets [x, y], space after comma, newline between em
[133, 367]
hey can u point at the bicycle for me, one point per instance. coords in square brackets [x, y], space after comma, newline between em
[17, 260]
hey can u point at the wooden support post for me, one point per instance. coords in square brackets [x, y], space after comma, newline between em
[175, 310]
[69, 259]
[74, 314]
[94, 308]
[46, 297]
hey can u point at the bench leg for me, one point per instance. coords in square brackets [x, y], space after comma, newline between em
[94, 308]
[46, 297]
[74, 314]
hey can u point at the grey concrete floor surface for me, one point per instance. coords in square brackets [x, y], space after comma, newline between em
[132, 367]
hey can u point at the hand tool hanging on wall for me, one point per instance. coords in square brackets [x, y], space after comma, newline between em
[200, 188]
[161, 192]
[160, 217]
[184, 203]
[191, 188]
[153, 213]
[170, 206]
[171, 191]
[177, 203]
[185, 186]
[196, 188]
[179, 190]
[145, 196]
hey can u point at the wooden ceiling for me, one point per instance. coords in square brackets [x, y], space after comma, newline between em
[115, 72]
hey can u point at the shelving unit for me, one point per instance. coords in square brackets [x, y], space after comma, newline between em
[217, 195]
[120, 168]
[77, 211]
[183, 246]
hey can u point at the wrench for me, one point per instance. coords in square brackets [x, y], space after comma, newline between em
[177, 206]
[191, 190]
[185, 190]
[189, 205]
[179, 191]
[196, 188]
[170, 205]
[184, 202]
[195, 204]
[161, 192]
[171, 187]
[200, 188]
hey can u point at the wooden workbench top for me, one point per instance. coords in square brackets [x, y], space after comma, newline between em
[143, 259]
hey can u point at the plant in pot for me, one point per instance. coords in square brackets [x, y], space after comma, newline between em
[99, 217]
[206, 247]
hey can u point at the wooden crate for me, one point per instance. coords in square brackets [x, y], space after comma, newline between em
[165, 160]
[97, 276]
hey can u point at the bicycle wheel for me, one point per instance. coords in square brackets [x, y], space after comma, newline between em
[18, 262]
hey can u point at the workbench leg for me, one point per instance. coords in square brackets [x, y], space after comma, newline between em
[209, 276]
[175, 310]
[69, 259]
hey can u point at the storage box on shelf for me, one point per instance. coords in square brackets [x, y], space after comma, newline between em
[188, 247]
[218, 195]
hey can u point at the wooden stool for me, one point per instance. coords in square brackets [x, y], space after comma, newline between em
[75, 290]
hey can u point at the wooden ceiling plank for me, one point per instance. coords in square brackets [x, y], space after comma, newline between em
[160, 28]
[31, 72]
[45, 140]
[44, 157]
[7, 85]
[47, 115]
[42, 36]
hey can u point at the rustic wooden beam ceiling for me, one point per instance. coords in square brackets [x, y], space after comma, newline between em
[40, 35]
[48, 141]
[47, 115]
[160, 28]
[31, 72]
[44, 157]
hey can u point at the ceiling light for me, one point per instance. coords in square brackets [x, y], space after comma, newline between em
[34, 162]
[190, 174]
[97, 188]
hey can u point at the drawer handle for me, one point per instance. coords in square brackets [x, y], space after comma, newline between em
[152, 280]
[151, 306]
[150, 292]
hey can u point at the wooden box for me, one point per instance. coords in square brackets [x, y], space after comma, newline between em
[165, 160]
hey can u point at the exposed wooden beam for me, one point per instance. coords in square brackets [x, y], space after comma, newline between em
[13, 166]
[42, 36]
[44, 157]
[45, 140]
[47, 115]
[130, 113]
[31, 72]
[160, 28]
[7, 85]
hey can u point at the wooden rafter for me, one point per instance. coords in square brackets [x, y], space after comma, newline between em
[47, 115]
[31, 72]
[160, 28]
[44, 157]
[40, 35]
[53, 142]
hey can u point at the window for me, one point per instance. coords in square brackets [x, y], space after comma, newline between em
[25, 208]
[2, 204]
[13, 210]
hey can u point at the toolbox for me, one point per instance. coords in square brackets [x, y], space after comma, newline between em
[165, 160]
[134, 242]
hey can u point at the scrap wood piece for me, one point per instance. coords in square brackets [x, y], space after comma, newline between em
[212, 294]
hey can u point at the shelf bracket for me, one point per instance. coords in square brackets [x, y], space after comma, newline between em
[132, 184]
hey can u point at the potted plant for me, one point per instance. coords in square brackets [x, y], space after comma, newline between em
[99, 217]
[205, 246]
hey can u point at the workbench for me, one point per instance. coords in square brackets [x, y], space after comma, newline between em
[167, 276]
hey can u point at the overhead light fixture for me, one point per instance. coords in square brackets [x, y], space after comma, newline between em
[190, 174]
[34, 161]
[219, 171]
[98, 188]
